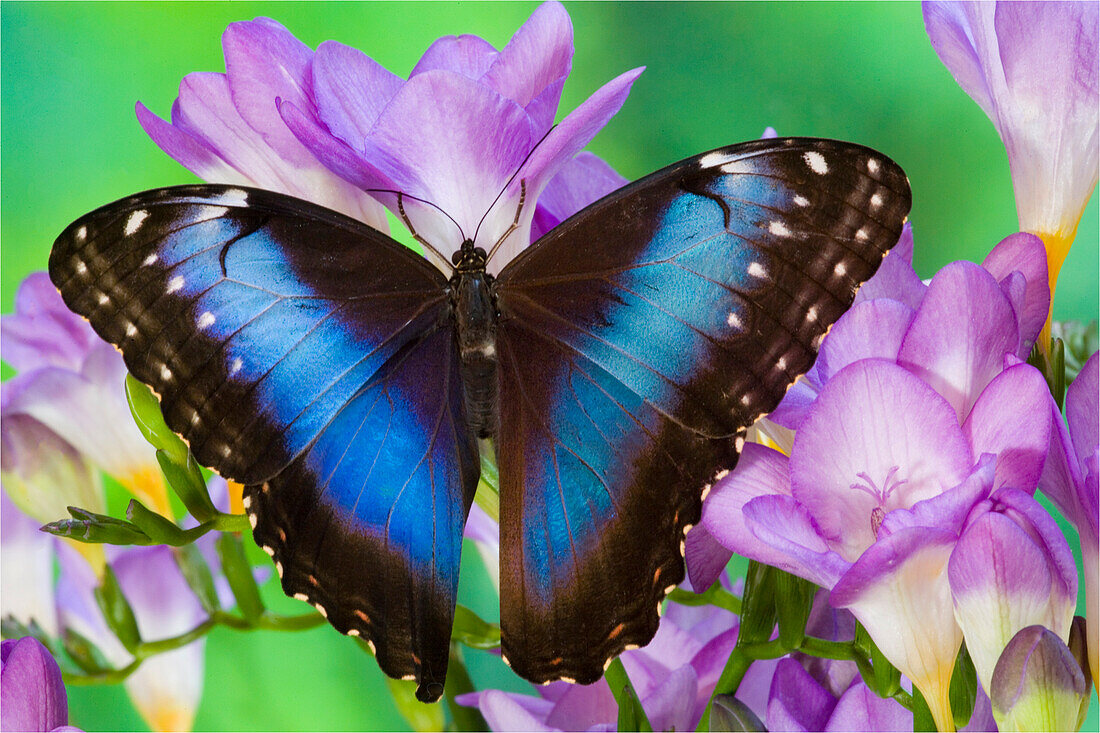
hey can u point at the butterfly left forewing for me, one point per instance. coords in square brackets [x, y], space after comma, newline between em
[689, 300]
[312, 358]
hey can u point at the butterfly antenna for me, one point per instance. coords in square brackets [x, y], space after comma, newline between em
[515, 222]
[408, 222]
[504, 188]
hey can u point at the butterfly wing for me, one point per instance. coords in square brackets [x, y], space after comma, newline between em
[313, 359]
[636, 341]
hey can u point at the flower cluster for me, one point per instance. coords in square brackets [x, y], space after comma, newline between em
[899, 476]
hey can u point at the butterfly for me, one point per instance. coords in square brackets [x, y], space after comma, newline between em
[615, 364]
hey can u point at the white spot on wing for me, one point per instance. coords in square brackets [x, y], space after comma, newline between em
[103, 299]
[757, 270]
[811, 314]
[302, 597]
[165, 372]
[175, 283]
[733, 320]
[781, 365]
[205, 320]
[234, 197]
[353, 632]
[81, 268]
[840, 269]
[150, 259]
[861, 235]
[876, 201]
[253, 521]
[801, 200]
[81, 234]
[269, 550]
[816, 161]
[131, 329]
[872, 165]
[235, 366]
[710, 160]
[135, 220]
[779, 229]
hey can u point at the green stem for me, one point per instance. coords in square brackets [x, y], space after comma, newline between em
[625, 694]
[458, 683]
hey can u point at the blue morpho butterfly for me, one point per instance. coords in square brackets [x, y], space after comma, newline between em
[615, 363]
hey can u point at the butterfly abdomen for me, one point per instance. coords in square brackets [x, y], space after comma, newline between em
[475, 316]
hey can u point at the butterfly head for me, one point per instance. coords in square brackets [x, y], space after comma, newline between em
[469, 258]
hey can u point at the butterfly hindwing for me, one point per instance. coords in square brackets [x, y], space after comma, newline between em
[667, 318]
[281, 336]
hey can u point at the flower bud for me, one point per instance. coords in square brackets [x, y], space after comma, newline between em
[1038, 684]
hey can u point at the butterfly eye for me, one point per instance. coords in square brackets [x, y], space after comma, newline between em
[456, 256]
[479, 252]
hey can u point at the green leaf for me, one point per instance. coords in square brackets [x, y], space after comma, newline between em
[1058, 368]
[727, 713]
[631, 713]
[95, 528]
[488, 495]
[964, 688]
[117, 611]
[758, 612]
[458, 683]
[84, 653]
[419, 716]
[239, 574]
[160, 529]
[473, 631]
[145, 408]
[885, 679]
[794, 599]
[922, 714]
[197, 573]
[185, 478]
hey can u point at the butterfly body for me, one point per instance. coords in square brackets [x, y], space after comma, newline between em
[475, 316]
[614, 363]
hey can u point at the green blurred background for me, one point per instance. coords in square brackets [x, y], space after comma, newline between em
[716, 74]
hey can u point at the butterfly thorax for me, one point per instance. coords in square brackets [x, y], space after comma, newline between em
[475, 315]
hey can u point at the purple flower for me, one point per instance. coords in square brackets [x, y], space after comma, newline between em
[1032, 67]
[1070, 478]
[1011, 568]
[1038, 684]
[66, 406]
[225, 128]
[674, 676]
[32, 696]
[470, 123]
[166, 688]
[916, 410]
[26, 569]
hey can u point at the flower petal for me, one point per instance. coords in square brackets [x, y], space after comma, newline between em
[583, 180]
[32, 695]
[188, 150]
[1011, 419]
[539, 54]
[877, 439]
[960, 334]
[1024, 253]
[1082, 410]
[873, 329]
[468, 55]
[509, 711]
[351, 89]
[706, 558]
[859, 709]
[42, 331]
[899, 591]
[26, 568]
[789, 540]
[797, 702]
[896, 279]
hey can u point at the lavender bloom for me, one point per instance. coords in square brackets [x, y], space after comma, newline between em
[26, 569]
[1032, 67]
[469, 123]
[916, 411]
[32, 696]
[1038, 684]
[69, 402]
[225, 127]
[1012, 568]
[1070, 478]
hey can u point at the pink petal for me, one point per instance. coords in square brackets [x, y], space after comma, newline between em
[960, 335]
[1024, 253]
[1011, 419]
[859, 709]
[351, 89]
[32, 696]
[869, 330]
[797, 702]
[1082, 410]
[467, 55]
[187, 150]
[583, 180]
[539, 54]
[896, 279]
[788, 538]
[706, 558]
[875, 427]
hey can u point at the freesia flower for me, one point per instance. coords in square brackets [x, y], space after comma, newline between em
[471, 131]
[1070, 478]
[1032, 68]
[70, 391]
[32, 696]
[26, 569]
[1038, 684]
[1012, 568]
[674, 676]
[225, 128]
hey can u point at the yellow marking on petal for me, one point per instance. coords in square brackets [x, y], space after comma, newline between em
[236, 497]
[93, 553]
[1057, 246]
[166, 716]
[146, 483]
